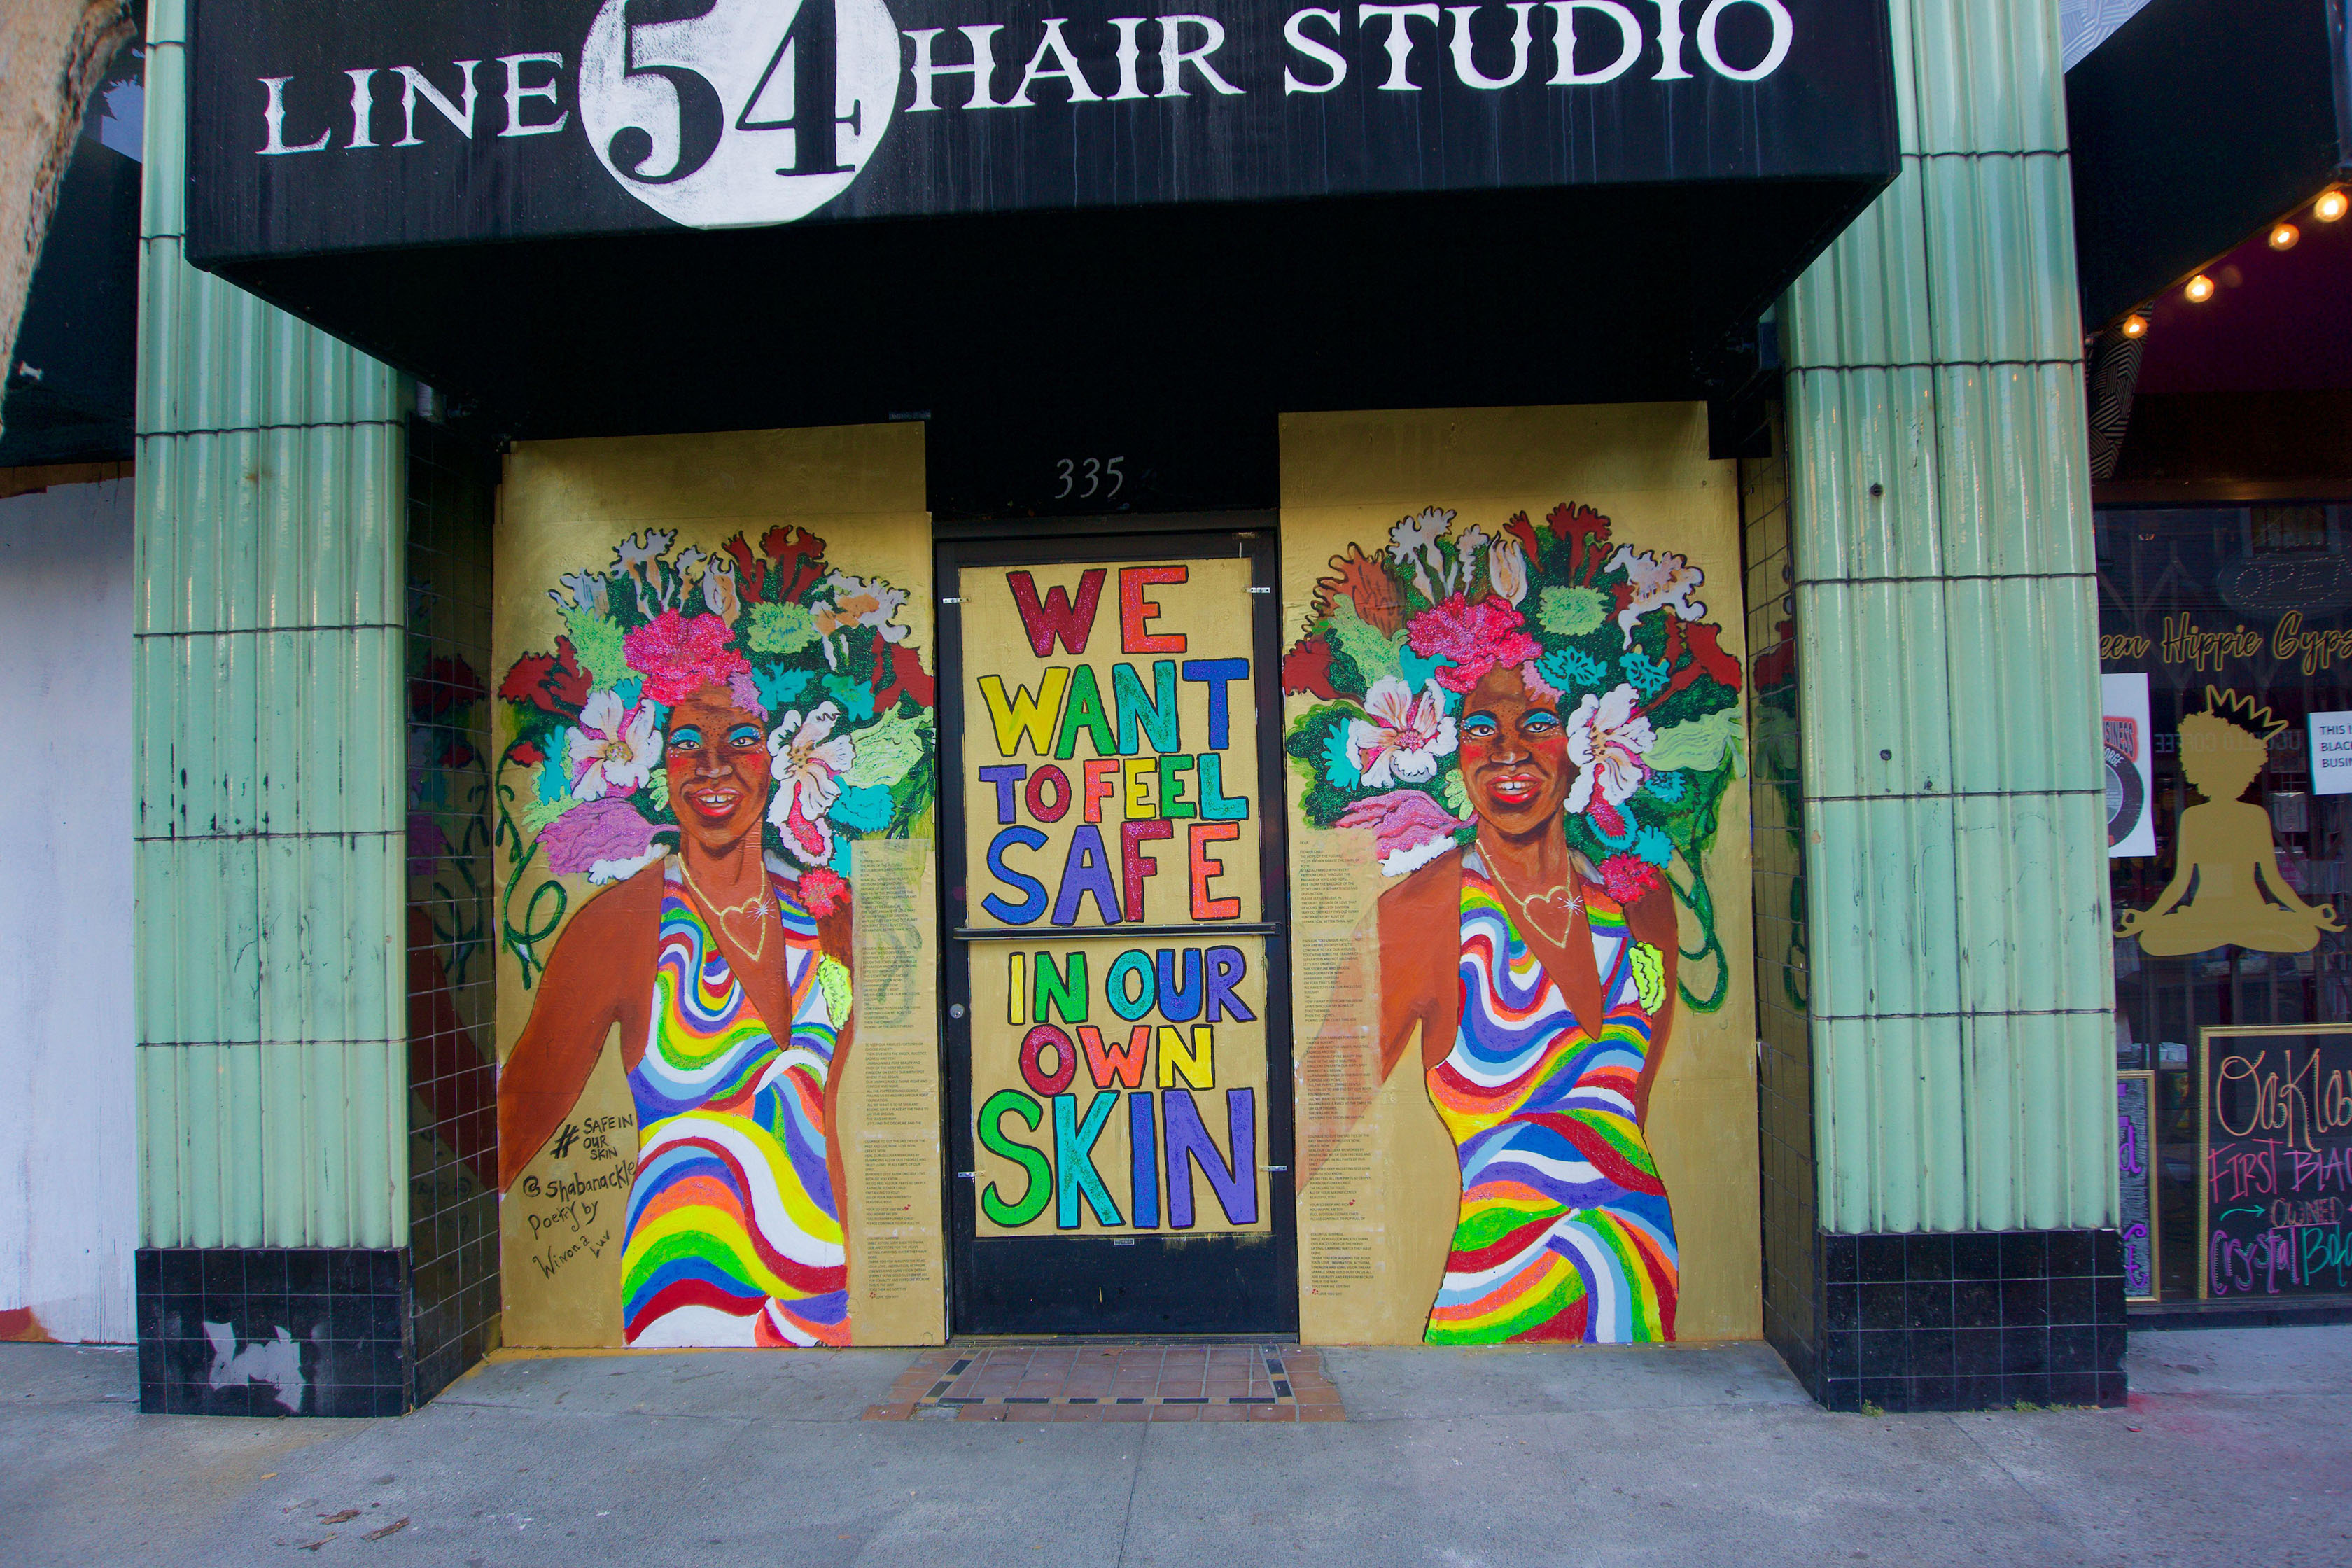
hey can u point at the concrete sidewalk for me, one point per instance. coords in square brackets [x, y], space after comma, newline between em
[2237, 1448]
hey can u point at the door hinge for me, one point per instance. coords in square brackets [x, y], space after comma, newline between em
[1258, 590]
[964, 1176]
[1282, 1168]
[957, 599]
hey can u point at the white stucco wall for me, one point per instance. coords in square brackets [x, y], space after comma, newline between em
[68, 1191]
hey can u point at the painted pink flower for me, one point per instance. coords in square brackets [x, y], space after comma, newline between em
[1473, 637]
[822, 891]
[746, 693]
[604, 839]
[680, 655]
[1409, 829]
[1629, 877]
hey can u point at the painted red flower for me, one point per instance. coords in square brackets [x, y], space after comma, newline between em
[799, 556]
[1519, 527]
[1587, 531]
[1473, 637]
[1706, 648]
[751, 571]
[899, 669]
[553, 684]
[680, 655]
[1306, 668]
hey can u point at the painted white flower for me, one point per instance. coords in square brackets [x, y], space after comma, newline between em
[603, 873]
[638, 551]
[1402, 739]
[1468, 547]
[1659, 581]
[718, 590]
[615, 747]
[1412, 536]
[672, 588]
[1506, 569]
[1607, 740]
[1413, 540]
[858, 602]
[590, 591]
[807, 760]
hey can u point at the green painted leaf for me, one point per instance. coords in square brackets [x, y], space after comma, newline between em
[1700, 744]
[781, 628]
[596, 640]
[888, 749]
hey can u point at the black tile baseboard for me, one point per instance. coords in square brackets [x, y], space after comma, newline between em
[1965, 1320]
[273, 1330]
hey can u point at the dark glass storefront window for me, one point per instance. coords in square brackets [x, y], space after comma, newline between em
[2239, 621]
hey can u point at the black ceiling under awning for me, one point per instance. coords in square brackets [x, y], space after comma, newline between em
[1557, 216]
[1196, 322]
[2195, 123]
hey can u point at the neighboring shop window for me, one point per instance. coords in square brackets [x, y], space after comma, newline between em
[2226, 648]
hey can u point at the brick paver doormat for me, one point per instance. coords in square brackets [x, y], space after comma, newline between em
[1100, 1381]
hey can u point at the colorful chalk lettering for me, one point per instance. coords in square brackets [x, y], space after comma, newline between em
[2277, 1167]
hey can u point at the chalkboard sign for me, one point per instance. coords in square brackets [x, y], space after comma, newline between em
[2274, 1207]
[2135, 1175]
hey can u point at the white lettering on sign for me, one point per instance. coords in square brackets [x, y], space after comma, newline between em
[2331, 754]
[273, 116]
[762, 110]
[1563, 44]
[752, 112]
[1330, 59]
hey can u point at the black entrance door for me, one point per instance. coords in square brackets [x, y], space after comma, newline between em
[1117, 976]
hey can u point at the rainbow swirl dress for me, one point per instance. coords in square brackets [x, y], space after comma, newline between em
[734, 1230]
[1565, 1231]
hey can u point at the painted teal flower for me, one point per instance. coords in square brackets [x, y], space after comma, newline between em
[1572, 670]
[1648, 676]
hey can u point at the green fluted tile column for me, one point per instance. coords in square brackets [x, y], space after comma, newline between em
[1947, 625]
[273, 1079]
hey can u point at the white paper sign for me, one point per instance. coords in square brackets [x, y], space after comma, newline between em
[2331, 754]
[2123, 705]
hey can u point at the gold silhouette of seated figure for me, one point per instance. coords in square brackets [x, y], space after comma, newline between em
[2226, 888]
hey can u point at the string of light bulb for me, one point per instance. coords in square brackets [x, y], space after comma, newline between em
[2329, 206]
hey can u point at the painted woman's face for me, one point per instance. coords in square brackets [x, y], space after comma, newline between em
[716, 756]
[1514, 754]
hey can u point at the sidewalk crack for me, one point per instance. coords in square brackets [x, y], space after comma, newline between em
[1127, 1519]
[2058, 1526]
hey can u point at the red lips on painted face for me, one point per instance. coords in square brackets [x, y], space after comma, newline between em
[1515, 762]
[716, 755]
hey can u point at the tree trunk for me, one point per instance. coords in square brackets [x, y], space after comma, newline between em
[53, 54]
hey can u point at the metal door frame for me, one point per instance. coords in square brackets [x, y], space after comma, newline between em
[1059, 542]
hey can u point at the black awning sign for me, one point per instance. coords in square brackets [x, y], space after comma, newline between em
[360, 127]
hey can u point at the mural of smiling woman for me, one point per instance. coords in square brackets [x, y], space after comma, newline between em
[706, 739]
[1538, 729]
